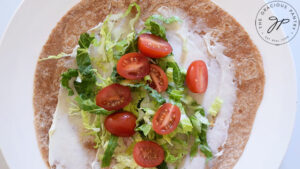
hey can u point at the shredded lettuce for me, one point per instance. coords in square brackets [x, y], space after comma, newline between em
[163, 165]
[66, 77]
[133, 106]
[92, 124]
[200, 132]
[116, 40]
[145, 128]
[154, 24]
[215, 107]
[86, 87]
[61, 55]
[135, 19]
[112, 144]
[90, 106]
[185, 122]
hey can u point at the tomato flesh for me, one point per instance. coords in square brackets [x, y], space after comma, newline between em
[133, 66]
[153, 46]
[148, 154]
[121, 124]
[197, 77]
[159, 78]
[166, 119]
[113, 97]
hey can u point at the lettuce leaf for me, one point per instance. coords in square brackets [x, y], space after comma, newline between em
[154, 24]
[169, 20]
[163, 165]
[61, 55]
[215, 107]
[66, 77]
[85, 40]
[185, 122]
[200, 124]
[90, 106]
[86, 87]
[113, 44]
[152, 92]
[135, 19]
[178, 76]
[145, 128]
[112, 144]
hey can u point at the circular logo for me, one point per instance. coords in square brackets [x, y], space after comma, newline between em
[280, 28]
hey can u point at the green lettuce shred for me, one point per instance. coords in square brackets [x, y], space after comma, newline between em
[90, 106]
[66, 77]
[215, 107]
[61, 55]
[112, 144]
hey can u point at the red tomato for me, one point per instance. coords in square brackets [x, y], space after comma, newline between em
[153, 46]
[166, 119]
[148, 154]
[197, 77]
[121, 124]
[159, 78]
[133, 66]
[113, 97]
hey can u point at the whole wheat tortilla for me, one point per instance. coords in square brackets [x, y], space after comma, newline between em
[249, 71]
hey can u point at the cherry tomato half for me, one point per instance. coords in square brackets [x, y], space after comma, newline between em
[153, 46]
[159, 78]
[113, 97]
[148, 154]
[197, 77]
[166, 119]
[133, 66]
[121, 124]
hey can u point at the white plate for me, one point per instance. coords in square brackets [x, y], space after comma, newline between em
[29, 30]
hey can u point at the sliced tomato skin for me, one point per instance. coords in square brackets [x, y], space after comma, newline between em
[153, 46]
[121, 124]
[159, 78]
[166, 119]
[197, 77]
[133, 66]
[142, 152]
[113, 97]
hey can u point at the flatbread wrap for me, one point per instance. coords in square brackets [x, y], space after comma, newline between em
[200, 31]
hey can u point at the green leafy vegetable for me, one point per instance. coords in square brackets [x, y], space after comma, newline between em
[66, 77]
[90, 106]
[185, 122]
[200, 124]
[154, 94]
[194, 148]
[145, 128]
[55, 56]
[154, 24]
[87, 87]
[215, 107]
[169, 20]
[93, 125]
[178, 76]
[175, 94]
[134, 20]
[112, 144]
[125, 46]
[163, 165]
[85, 40]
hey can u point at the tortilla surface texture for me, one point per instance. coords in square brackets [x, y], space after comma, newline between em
[85, 15]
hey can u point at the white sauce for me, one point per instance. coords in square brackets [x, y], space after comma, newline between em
[66, 150]
[65, 147]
